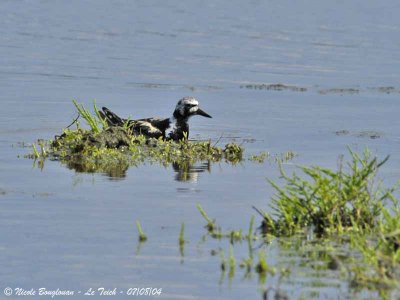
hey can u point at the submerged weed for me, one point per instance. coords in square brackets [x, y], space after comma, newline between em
[251, 225]
[260, 158]
[182, 235]
[262, 266]
[181, 240]
[277, 158]
[211, 226]
[142, 235]
[232, 262]
[35, 152]
[234, 235]
[223, 261]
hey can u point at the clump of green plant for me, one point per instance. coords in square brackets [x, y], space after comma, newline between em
[96, 122]
[35, 152]
[329, 201]
[211, 226]
[380, 251]
[233, 152]
[281, 157]
[389, 229]
[260, 157]
[347, 204]
[233, 235]
[288, 155]
[342, 221]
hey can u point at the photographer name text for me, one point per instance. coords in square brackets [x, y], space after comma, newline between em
[100, 291]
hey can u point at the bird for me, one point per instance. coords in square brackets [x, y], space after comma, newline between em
[173, 128]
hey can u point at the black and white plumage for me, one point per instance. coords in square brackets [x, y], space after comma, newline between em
[174, 128]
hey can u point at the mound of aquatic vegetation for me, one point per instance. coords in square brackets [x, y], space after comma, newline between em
[112, 149]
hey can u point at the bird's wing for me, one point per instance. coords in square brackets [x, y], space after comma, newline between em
[111, 118]
[160, 123]
[150, 127]
[146, 127]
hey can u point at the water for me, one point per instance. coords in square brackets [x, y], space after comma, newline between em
[68, 230]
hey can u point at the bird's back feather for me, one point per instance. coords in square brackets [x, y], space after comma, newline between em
[150, 127]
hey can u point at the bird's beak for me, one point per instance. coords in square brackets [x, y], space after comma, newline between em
[202, 113]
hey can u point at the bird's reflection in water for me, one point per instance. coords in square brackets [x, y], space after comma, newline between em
[113, 171]
[189, 172]
[184, 170]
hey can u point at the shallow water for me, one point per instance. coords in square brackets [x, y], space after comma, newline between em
[68, 230]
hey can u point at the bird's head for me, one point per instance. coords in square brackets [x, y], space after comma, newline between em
[187, 107]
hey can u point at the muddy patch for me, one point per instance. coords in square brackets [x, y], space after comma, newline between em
[340, 91]
[385, 89]
[167, 86]
[371, 134]
[342, 132]
[42, 194]
[321, 90]
[274, 87]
